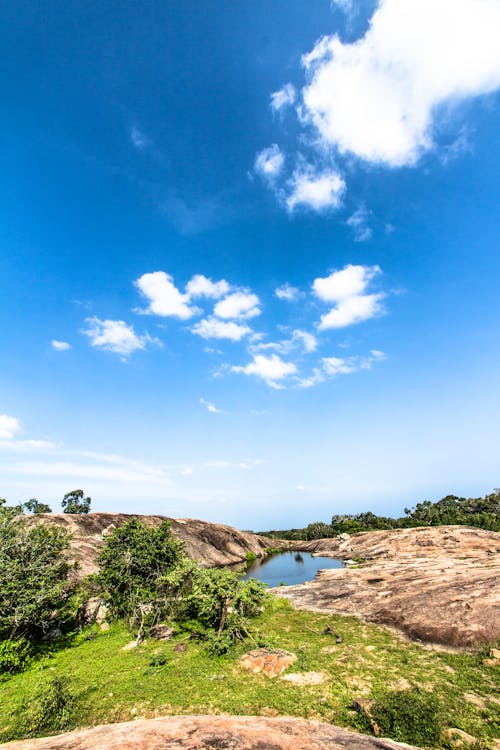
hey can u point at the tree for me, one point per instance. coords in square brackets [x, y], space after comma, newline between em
[34, 571]
[76, 502]
[33, 506]
[148, 578]
[133, 564]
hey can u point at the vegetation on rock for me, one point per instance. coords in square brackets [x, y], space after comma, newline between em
[482, 512]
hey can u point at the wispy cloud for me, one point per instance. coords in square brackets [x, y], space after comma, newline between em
[359, 223]
[287, 292]
[330, 367]
[139, 140]
[209, 406]
[60, 346]
[213, 328]
[116, 336]
[285, 97]
[269, 163]
[9, 427]
[315, 189]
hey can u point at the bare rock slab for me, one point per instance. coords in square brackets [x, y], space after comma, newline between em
[210, 733]
[435, 584]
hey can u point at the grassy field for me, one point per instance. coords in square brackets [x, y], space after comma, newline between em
[109, 684]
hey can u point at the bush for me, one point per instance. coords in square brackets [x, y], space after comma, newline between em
[34, 583]
[149, 579]
[412, 716]
[54, 709]
[133, 565]
[14, 656]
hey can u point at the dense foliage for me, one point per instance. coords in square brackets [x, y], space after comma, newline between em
[482, 512]
[148, 579]
[76, 502]
[34, 572]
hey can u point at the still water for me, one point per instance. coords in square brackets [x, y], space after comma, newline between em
[289, 568]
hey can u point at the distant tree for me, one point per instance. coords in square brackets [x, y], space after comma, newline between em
[76, 502]
[318, 530]
[33, 506]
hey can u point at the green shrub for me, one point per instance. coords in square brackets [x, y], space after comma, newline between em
[54, 709]
[149, 579]
[412, 716]
[34, 577]
[14, 656]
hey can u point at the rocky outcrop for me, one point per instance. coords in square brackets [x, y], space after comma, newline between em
[439, 585]
[210, 733]
[211, 544]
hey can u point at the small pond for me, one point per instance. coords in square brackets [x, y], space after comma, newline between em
[288, 568]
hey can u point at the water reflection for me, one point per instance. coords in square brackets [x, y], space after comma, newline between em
[288, 568]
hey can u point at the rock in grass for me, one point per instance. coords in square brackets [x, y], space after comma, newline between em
[271, 662]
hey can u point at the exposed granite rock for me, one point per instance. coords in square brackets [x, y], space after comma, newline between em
[271, 662]
[211, 544]
[437, 584]
[210, 733]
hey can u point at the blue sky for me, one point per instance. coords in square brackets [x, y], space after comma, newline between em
[249, 260]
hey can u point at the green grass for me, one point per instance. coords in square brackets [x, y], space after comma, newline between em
[154, 680]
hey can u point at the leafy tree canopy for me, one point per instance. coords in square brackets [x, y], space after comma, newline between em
[76, 502]
[34, 570]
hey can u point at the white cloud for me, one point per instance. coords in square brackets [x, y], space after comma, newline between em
[163, 296]
[352, 310]
[347, 288]
[308, 341]
[330, 367]
[285, 97]
[270, 369]
[116, 336]
[238, 305]
[287, 292]
[209, 406]
[381, 96]
[348, 282]
[9, 427]
[358, 222]
[315, 189]
[269, 162]
[212, 328]
[200, 286]
[60, 346]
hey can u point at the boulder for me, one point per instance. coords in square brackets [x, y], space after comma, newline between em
[271, 662]
[203, 732]
[94, 610]
[161, 632]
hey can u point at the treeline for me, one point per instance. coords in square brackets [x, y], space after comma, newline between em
[483, 512]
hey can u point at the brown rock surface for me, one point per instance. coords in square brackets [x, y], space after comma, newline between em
[208, 543]
[211, 733]
[437, 584]
[271, 662]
